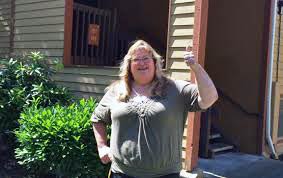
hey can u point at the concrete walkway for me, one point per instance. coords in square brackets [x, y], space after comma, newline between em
[238, 165]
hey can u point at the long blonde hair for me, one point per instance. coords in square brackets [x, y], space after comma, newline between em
[124, 85]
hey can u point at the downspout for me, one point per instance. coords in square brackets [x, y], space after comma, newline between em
[269, 78]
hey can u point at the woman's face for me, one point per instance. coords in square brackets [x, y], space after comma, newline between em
[142, 67]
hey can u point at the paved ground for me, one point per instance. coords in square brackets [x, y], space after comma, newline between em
[238, 165]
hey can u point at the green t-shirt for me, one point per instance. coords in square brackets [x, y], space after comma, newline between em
[146, 133]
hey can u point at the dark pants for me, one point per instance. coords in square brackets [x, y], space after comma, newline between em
[120, 175]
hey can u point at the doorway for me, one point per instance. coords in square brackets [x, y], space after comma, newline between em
[119, 23]
[236, 54]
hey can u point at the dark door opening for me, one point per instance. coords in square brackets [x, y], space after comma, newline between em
[120, 22]
[235, 60]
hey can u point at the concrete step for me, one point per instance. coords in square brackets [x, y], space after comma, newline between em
[218, 147]
[214, 136]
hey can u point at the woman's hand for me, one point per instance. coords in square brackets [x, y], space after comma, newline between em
[189, 56]
[104, 154]
[207, 91]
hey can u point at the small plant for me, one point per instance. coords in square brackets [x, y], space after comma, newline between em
[59, 140]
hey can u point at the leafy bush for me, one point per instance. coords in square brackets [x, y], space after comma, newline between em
[23, 81]
[59, 140]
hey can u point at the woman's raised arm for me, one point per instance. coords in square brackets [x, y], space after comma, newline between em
[207, 91]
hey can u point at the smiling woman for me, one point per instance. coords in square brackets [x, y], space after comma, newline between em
[141, 67]
[147, 112]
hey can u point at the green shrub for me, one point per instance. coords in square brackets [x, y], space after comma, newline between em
[59, 140]
[23, 81]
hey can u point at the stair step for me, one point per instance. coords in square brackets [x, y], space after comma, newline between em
[217, 147]
[214, 136]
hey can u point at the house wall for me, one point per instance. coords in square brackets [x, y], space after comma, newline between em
[87, 82]
[5, 21]
[235, 62]
[39, 26]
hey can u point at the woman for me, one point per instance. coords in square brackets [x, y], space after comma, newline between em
[147, 112]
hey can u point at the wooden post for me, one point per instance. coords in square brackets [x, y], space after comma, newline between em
[68, 28]
[199, 44]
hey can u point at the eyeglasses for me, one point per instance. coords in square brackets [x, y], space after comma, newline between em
[144, 59]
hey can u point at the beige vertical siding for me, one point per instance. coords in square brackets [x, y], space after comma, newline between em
[39, 26]
[180, 35]
[5, 21]
[278, 77]
[278, 70]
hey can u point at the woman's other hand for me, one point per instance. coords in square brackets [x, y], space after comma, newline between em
[104, 154]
